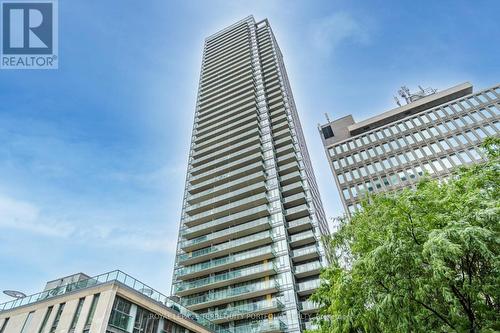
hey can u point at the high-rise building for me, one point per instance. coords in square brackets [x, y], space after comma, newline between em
[248, 253]
[112, 302]
[433, 133]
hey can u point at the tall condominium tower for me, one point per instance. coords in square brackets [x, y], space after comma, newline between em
[248, 253]
[433, 133]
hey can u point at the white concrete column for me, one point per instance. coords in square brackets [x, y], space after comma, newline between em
[103, 311]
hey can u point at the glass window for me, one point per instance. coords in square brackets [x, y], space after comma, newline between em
[358, 142]
[378, 166]
[372, 138]
[348, 176]
[482, 98]
[446, 163]
[426, 134]
[432, 116]
[386, 147]
[402, 142]
[409, 138]
[379, 135]
[393, 129]
[402, 175]
[346, 194]
[465, 105]
[338, 150]
[385, 181]
[335, 164]
[442, 128]
[428, 168]
[402, 158]
[410, 156]
[485, 113]
[341, 178]
[471, 136]
[424, 119]
[481, 133]
[377, 183]
[491, 95]
[468, 119]
[386, 164]
[354, 192]
[494, 109]
[419, 170]
[356, 157]
[394, 161]
[362, 170]
[410, 173]
[450, 125]
[434, 131]
[460, 122]
[351, 209]
[444, 144]
[419, 153]
[355, 173]
[401, 127]
[371, 152]
[57, 318]
[418, 137]
[365, 140]
[364, 155]
[379, 150]
[489, 129]
[394, 145]
[465, 157]
[448, 110]
[462, 139]
[435, 147]
[369, 186]
[370, 168]
[454, 158]
[74, 321]
[344, 147]
[453, 142]
[409, 124]
[45, 319]
[416, 121]
[474, 154]
[473, 101]
[90, 316]
[27, 322]
[437, 165]
[427, 150]
[476, 116]
[351, 144]
[440, 113]
[394, 179]
[349, 160]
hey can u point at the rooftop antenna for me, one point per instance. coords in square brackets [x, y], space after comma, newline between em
[397, 100]
[404, 92]
[327, 118]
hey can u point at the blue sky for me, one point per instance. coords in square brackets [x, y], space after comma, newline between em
[93, 155]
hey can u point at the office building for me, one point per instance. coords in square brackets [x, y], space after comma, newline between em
[248, 253]
[113, 302]
[433, 133]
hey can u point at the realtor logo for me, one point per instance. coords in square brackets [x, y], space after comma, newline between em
[29, 34]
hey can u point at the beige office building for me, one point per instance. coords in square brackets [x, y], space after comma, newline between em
[113, 302]
[248, 253]
[435, 132]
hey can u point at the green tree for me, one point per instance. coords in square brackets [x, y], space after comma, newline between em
[419, 260]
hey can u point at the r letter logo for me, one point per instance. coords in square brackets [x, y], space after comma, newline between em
[29, 34]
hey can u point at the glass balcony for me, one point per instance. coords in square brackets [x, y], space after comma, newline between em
[308, 269]
[308, 287]
[283, 142]
[281, 134]
[221, 223]
[226, 159]
[229, 186]
[310, 326]
[292, 188]
[305, 253]
[266, 325]
[300, 224]
[288, 158]
[220, 144]
[296, 212]
[308, 307]
[244, 311]
[285, 150]
[295, 200]
[302, 238]
[242, 230]
[221, 280]
[238, 194]
[229, 295]
[227, 209]
[228, 134]
[292, 177]
[223, 248]
[219, 264]
[224, 169]
[224, 151]
[227, 173]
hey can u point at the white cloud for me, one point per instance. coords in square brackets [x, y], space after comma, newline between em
[28, 217]
[331, 31]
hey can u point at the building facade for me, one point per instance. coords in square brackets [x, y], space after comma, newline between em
[431, 134]
[113, 302]
[248, 253]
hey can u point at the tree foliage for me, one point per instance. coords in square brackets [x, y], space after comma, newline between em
[419, 260]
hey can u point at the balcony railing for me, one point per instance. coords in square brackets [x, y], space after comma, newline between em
[112, 277]
[226, 294]
[224, 246]
[244, 310]
[208, 266]
[267, 325]
[224, 278]
[308, 285]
